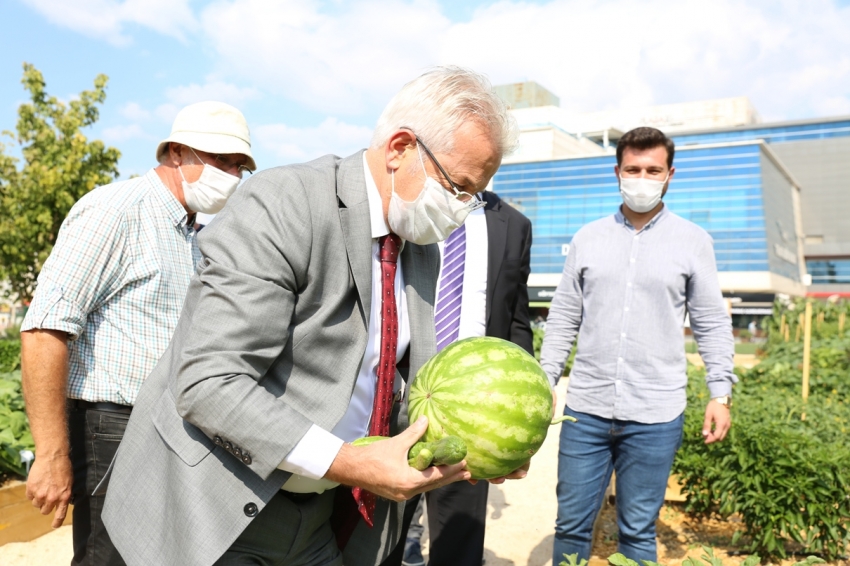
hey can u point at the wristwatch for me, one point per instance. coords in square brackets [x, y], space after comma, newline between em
[726, 401]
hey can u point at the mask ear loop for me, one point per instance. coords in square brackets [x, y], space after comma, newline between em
[180, 167]
[421, 162]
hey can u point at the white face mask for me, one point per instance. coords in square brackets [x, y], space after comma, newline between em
[212, 189]
[431, 217]
[640, 194]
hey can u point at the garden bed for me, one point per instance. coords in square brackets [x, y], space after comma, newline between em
[19, 520]
[681, 536]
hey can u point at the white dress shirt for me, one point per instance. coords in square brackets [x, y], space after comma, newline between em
[310, 459]
[473, 301]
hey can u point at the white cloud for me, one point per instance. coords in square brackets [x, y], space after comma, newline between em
[118, 134]
[212, 89]
[291, 145]
[791, 57]
[108, 19]
[340, 59]
[134, 112]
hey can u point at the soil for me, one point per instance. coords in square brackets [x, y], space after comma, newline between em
[681, 536]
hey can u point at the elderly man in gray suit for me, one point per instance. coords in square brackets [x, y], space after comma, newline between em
[310, 312]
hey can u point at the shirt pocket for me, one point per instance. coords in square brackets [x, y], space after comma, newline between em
[187, 440]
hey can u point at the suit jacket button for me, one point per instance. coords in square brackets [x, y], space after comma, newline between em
[246, 459]
[228, 446]
[251, 510]
[217, 440]
[237, 452]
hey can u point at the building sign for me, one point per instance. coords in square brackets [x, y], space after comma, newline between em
[784, 253]
[541, 294]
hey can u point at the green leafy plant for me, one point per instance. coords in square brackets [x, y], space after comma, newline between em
[11, 333]
[15, 433]
[538, 334]
[787, 478]
[10, 355]
[572, 560]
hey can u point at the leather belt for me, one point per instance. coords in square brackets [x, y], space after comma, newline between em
[104, 406]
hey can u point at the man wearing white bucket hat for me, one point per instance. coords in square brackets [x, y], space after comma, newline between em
[108, 300]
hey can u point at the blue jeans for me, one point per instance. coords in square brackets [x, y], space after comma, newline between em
[593, 447]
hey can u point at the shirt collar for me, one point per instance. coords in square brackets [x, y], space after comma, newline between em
[376, 206]
[620, 218]
[178, 215]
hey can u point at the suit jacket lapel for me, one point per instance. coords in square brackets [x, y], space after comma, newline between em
[356, 227]
[497, 236]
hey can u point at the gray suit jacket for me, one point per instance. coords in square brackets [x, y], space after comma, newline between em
[270, 341]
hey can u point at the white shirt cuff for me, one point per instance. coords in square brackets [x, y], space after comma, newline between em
[313, 454]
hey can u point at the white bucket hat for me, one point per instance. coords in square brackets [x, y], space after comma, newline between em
[213, 127]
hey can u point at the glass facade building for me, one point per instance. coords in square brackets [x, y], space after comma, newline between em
[725, 190]
[769, 195]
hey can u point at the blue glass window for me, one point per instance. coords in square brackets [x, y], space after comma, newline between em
[718, 188]
[829, 271]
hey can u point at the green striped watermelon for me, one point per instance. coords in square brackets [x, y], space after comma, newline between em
[493, 395]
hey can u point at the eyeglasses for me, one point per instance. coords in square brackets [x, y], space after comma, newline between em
[229, 163]
[473, 201]
[224, 163]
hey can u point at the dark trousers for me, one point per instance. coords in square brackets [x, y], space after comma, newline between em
[291, 530]
[457, 515]
[94, 436]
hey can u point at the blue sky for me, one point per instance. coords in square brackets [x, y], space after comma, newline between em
[312, 76]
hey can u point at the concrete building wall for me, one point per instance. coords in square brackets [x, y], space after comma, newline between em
[822, 168]
[779, 221]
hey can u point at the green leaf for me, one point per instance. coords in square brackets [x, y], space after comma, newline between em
[571, 560]
[620, 560]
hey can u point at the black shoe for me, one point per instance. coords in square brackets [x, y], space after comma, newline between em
[412, 554]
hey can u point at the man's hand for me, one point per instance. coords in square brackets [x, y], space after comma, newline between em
[517, 474]
[49, 486]
[382, 467]
[717, 422]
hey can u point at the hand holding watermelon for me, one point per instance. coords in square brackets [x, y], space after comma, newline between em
[382, 467]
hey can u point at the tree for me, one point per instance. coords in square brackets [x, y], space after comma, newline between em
[60, 165]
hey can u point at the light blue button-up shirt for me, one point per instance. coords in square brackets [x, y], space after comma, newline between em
[115, 282]
[625, 293]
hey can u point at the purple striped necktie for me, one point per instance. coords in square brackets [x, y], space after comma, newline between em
[447, 314]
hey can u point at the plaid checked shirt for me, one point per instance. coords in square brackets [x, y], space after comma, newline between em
[115, 282]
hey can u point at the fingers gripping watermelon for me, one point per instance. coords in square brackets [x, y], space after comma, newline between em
[490, 393]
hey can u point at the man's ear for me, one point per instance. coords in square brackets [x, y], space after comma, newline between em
[400, 142]
[175, 153]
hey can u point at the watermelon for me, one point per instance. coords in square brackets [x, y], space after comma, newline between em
[490, 393]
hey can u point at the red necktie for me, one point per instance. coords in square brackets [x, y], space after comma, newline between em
[382, 408]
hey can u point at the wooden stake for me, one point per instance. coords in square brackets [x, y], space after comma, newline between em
[807, 353]
[787, 333]
[783, 328]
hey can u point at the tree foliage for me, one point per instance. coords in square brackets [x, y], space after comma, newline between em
[60, 165]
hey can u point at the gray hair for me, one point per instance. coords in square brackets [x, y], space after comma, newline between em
[435, 104]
